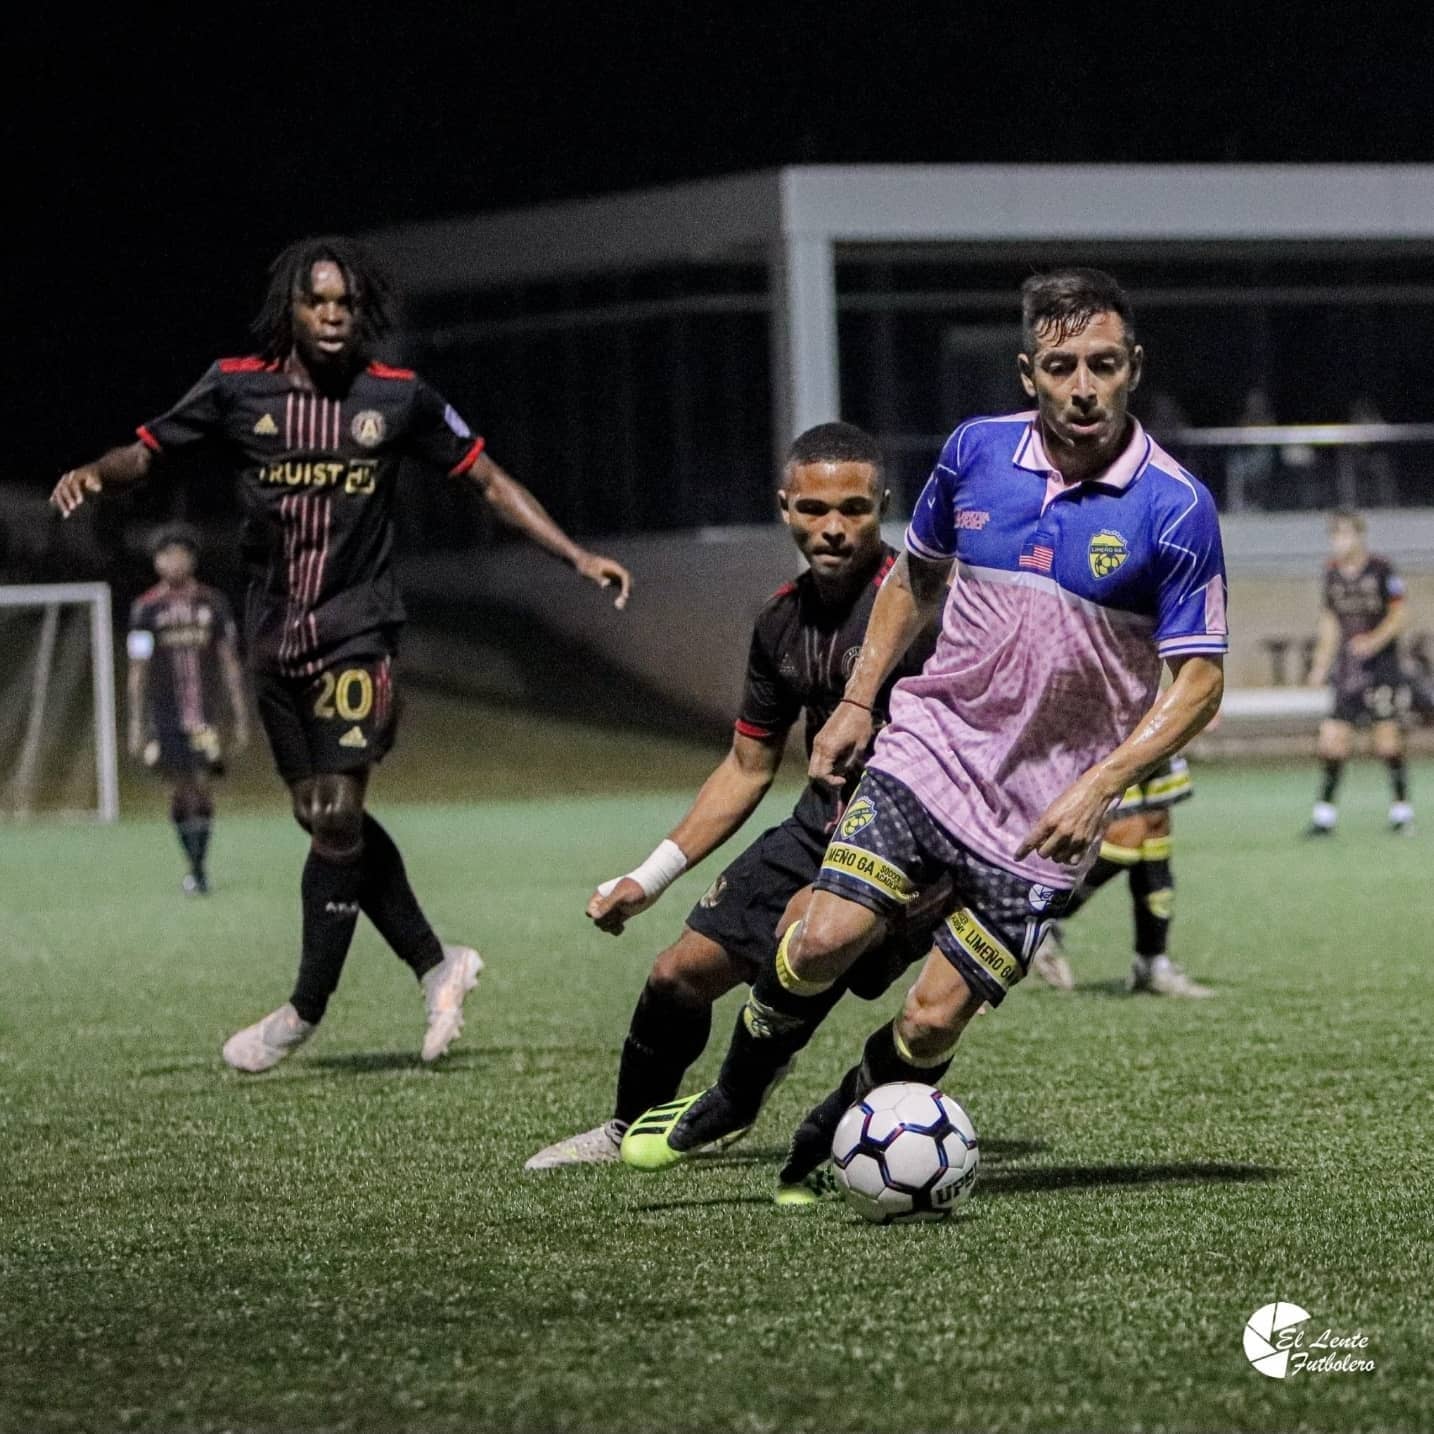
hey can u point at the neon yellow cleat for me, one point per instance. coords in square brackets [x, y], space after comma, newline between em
[668, 1134]
[811, 1190]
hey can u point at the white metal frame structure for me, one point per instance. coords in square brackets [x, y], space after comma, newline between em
[50, 597]
[798, 219]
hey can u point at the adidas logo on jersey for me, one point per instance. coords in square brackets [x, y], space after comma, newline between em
[266, 427]
[354, 737]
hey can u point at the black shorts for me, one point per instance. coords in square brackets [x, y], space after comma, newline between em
[741, 910]
[175, 753]
[887, 854]
[339, 720]
[1376, 702]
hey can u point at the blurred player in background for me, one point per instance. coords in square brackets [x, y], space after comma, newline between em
[1357, 653]
[1087, 557]
[180, 631]
[805, 639]
[1139, 842]
[316, 429]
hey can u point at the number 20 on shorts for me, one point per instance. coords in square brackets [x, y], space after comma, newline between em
[347, 695]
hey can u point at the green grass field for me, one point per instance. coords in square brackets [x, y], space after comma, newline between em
[349, 1243]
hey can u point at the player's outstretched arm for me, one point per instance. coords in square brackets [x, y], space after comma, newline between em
[136, 695]
[1369, 644]
[1076, 818]
[517, 507]
[118, 468]
[723, 802]
[909, 598]
[234, 686]
[1326, 645]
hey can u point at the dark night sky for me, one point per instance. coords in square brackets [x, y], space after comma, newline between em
[158, 160]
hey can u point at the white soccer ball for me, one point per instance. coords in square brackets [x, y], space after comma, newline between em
[905, 1152]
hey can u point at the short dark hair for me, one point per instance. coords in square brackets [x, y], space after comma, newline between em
[1066, 300]
[292, 272]
[1352, 516]
[835, 443]
[175, 535]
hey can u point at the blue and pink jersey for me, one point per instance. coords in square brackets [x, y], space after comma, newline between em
[1066, 599]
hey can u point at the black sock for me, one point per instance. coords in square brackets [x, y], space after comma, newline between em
[192, 816]
[664, 1037]
[1398, 778]
[388, 901]
[880, 1063]
[1103, 870]
[1152, 890]
[1330, 784]
[773, 1025]
[330, 891]
[194, 838]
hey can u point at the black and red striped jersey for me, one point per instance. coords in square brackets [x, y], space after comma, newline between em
[1360, 601]
[802, 652]
[178, 631]
[317, 474]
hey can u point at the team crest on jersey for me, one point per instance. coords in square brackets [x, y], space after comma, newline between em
[266, 427]
[861, 813]
[848, 660]
[1108, 550]
[367, 428]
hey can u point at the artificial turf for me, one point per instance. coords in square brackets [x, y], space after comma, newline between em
[350, 1243]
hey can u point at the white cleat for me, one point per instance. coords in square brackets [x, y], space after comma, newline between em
[444, 990]
[1160, 976]
[263, 1045]
[598, 1146]
[1050, 964]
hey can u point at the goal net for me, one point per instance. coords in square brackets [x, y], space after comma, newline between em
[57, 702]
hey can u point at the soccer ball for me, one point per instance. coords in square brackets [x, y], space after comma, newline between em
[905, 1152]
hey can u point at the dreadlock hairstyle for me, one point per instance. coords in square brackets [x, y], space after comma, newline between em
[291, 273]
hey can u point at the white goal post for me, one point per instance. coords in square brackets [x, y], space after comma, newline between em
[31, 686]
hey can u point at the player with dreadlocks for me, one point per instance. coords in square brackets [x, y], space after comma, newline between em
[316, 428]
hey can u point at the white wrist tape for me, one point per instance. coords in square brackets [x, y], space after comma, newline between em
[655, 874]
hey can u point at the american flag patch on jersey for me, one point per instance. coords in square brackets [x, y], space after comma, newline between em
[1039, 559]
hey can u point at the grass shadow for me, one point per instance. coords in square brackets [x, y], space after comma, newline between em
[1088, 1177]
[1116, 986]
[1001, 1150]
[372, 1062]
[190, 1066]
[659, 1207]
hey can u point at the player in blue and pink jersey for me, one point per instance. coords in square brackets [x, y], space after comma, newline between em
[1085, 557]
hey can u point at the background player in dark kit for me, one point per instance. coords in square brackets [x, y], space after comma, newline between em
[803, 643]
[180, 631]
[316, 429]
[1357, 653]
[1139, 842]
